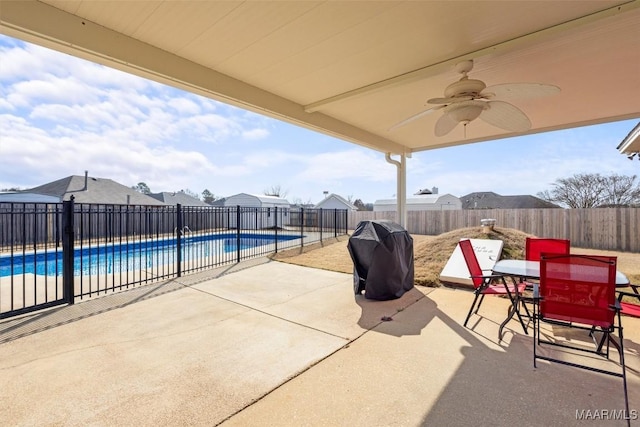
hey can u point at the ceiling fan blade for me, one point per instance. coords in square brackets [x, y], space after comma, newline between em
[520, 90]
[505, 116]
[449, 100]
[415, 117]
[444, 125]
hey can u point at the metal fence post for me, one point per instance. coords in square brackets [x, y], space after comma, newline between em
[57, 222]
[301, 227]
[275, 227]
[320, 223]
[346, 220]
[335, 222]
[179, 231]
[238, 232]
[68, 232]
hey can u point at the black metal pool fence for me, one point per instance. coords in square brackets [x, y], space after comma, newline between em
[57, 253]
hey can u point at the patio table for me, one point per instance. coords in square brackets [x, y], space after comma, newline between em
[522, 270]
[531, 270]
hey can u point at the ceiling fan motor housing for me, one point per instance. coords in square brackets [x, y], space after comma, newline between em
[464, 87]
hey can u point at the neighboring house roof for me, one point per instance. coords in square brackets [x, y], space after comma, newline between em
[219, 202]
[179, 197]
[88, 189]
[423, 192]
[491, 200]
[338, 199]
[27, 197]
[433, 190]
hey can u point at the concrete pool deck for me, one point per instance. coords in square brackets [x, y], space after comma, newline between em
[268, 343]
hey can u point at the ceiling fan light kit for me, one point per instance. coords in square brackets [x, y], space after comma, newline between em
[469, 99]
[465, 112]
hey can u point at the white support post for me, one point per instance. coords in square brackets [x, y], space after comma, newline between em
[401, 193]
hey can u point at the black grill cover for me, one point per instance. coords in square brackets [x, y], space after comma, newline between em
[382, 254]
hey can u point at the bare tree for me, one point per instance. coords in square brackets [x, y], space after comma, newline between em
[621, 190]
[276, 191]
[593, 190]
[298, 202]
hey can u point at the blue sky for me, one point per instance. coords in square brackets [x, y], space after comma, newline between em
[61, 115]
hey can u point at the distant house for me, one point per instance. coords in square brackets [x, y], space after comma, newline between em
[630, 145]
[334, 201]
[86, 189]
[262, 218]
[491, 200]
[179, 197]
[424, 191]
[27, 197]
[422, 202]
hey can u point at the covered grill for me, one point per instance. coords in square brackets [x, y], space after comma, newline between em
[382, 254]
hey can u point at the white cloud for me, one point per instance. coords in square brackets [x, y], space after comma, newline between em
[255, 134]
[128, 163]
[264, 159]
[208, 127]
[68, 115]
[355, 163]
[52, 90]
[184, 106]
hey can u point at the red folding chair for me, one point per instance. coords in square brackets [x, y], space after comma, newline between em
[484, 284]
[534, 246]
[579, 291]
[630, 308]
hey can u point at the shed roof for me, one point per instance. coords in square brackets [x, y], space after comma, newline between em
[263, 198]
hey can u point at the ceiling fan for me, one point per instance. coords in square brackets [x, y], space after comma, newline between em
[469, 99]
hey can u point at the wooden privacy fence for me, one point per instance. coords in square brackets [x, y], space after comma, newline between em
[616, 229]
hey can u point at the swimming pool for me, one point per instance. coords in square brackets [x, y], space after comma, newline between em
[120, 257]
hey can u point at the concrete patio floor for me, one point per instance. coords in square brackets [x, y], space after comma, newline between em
[273, 344]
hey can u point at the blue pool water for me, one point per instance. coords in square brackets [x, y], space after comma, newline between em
[132, 256]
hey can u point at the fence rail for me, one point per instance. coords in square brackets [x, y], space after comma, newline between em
[52, 254]
[616, 229]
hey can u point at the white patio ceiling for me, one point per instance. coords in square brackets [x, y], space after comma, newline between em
[353, 69]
